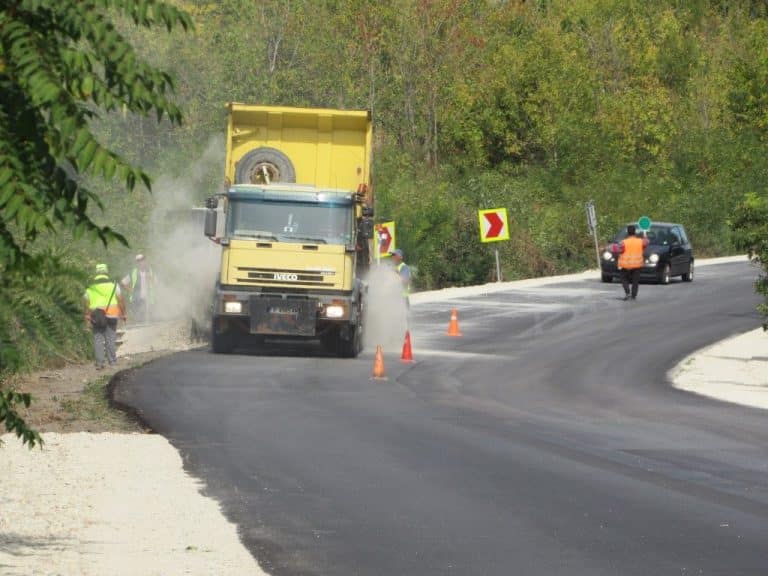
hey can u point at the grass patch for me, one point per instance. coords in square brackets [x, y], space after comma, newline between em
[92, 406]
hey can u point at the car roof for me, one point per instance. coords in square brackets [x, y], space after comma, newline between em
[661, 224]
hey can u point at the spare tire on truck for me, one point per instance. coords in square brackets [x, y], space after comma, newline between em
[264, 166]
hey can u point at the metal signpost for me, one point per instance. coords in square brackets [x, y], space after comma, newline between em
[592, 224]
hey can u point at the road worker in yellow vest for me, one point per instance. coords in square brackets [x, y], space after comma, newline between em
[631, 259]
[103, 306]
[404, 273]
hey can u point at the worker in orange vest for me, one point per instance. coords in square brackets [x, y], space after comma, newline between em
[631, 259]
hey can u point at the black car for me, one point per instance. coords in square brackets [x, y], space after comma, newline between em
[669, 253]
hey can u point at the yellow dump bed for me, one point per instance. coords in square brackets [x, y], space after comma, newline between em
[324, 147]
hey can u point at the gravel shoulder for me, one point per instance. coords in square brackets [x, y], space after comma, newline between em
[106, 503]
[733, 370]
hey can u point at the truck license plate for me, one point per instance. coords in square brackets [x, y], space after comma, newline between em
[283, 311]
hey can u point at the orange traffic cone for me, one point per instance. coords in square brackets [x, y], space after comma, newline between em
[407, 355]
[453, 327]
[378, 365]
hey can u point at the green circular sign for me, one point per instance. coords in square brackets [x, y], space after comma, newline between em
[644, 223]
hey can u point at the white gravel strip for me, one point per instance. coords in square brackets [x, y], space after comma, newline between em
[734, 370]
[110, 504]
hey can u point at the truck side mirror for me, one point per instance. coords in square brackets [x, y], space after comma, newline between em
[210, 223]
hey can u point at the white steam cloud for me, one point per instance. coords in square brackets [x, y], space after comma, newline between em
[386, 316]
[184, 262]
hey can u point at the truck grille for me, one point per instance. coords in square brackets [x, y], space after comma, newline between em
[266, 276]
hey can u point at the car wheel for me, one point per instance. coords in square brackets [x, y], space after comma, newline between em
[607, 278]
[688, 276]
[664, 275]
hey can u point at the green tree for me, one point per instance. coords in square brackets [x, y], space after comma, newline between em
[61, 63]
[750, 223]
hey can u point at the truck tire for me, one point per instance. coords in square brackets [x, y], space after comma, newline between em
[264, 166]
[221, 342]
[352, 347]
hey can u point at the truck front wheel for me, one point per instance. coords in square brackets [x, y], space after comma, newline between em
[350, 348]
[221, 342]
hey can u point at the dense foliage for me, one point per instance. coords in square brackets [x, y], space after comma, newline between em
[750, 222]
[646, 108]
[61, 63]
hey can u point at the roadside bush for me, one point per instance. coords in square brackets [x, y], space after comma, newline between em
[750, 225]
[41, 314]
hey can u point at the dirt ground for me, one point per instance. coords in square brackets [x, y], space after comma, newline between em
[74, 397]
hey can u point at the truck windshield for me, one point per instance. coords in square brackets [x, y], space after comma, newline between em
[321, 223]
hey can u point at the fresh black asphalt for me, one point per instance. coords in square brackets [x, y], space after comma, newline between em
[544, 441]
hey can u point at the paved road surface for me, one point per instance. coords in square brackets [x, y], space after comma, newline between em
[545, 441]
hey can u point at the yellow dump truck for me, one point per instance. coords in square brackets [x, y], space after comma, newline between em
[297, 222]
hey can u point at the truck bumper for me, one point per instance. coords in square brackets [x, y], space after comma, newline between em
[305, 316]
[275, 316]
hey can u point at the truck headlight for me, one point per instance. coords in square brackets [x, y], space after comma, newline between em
[233, 307]
[607, 255]
[653, 258]
[334, 311]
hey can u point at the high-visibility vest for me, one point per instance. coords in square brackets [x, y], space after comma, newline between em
[406, 287]
[102, 293]
[632, 257]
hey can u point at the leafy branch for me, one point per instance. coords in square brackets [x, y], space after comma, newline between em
[13, 422]
[750, 225]
[61, 63]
